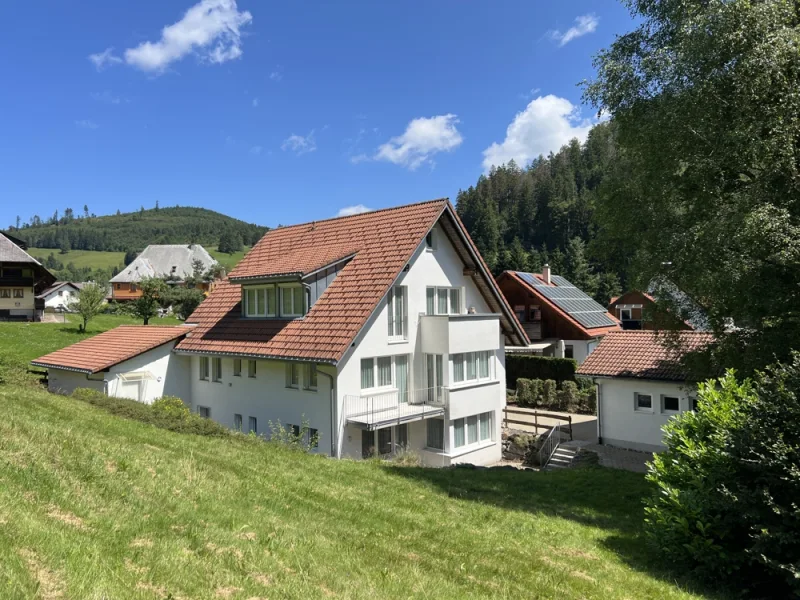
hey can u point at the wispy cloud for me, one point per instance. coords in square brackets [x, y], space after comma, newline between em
[583, 24]
[300, 144]
[104, 59]
[422, 139]
[276, 75]
[210, 29]
[108, 97]
[255, 102]
[86, 124]
[546, 124]
[356, 209]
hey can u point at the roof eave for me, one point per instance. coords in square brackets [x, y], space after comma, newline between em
[44, 365]
[327, 361]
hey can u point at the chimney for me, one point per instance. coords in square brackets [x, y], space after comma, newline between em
[546, 274]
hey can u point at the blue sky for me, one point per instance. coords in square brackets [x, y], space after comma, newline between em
[283, 112]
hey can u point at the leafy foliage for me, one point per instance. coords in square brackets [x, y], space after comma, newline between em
[301, 439]
[89, 302]
[154, 292]
[184, 300]
[729, 481]
[538, 367]
[230, 242]
[539, 393]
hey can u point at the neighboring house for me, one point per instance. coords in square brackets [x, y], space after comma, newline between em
[173, 262]
[383, 330]
[636, 310]
[560, 319]
[59, 295]
[641, 384]
[131, 361]
[22, 277]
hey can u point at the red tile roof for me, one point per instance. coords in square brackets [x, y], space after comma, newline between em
[381, 243]
[642, 355]
[110, 348]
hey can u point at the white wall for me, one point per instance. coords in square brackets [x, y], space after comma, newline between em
[60, 381]
[53, 300]
[170, 376]
[622, 426]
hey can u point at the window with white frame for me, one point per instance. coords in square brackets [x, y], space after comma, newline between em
[385, 372]
[292, 302]
[472, 430]
[310, 382]
[443, 301]
[430, 241]
[435, 437]
[237, 367]
[19, 293]
[397, 309]
[625, 314]
[693, 403]
[670, 404]
[204, 368]
[643, 402]
[252, 424]
[260, 301]
[251, 369]
[470, 367]
[216, 369]
[367, 373]
[293, 375]
[237, 422]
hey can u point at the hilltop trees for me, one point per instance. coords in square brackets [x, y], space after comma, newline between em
[230, 242]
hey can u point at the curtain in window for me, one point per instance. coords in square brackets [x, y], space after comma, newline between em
[399, 311]
[260, 294]
[271, 301]
[312, 376]
[455, 301]
[430, 294]
[286, 301]
[430, 377]
[441, 296]
[435, 434]
[458, 431]
[385, 371]
[297, 293]
[250, 302]
[367, 374]
[471, 366]
[486, 426]
[390, 312]
[458, 368]
[439, 376]
[472, 429]
[401, 374]
[483, 364]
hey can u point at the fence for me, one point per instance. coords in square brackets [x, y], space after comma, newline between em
[536, 415]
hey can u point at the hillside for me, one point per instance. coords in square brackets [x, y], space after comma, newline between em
[134, 231]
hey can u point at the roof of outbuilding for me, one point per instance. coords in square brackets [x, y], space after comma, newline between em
[10, 252]
[110, 348]
[55, 287]
[380, 243]
[159, 260]
[643, 355]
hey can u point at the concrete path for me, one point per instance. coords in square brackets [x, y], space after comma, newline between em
[615, 458]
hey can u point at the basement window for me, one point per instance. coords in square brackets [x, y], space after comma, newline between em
[670, 404]
[644, 403]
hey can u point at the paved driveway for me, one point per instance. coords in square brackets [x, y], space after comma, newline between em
[616, 458]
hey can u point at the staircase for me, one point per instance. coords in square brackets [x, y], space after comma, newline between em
[562, 458]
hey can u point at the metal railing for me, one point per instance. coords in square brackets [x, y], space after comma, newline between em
[549, 445]
[394, 405]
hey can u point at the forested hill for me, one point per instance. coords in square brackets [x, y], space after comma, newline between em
[134, 231]
[521, 218]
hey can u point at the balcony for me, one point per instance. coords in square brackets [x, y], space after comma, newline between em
[376, 411]
[453, 334]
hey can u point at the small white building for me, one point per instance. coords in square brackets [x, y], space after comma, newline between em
[641, 384]
[59, 295]
[131, 361]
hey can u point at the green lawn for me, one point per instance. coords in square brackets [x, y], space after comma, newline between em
[96, 506]
[97, 259]
[228, 260]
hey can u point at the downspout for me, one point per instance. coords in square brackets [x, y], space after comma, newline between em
[334, 423]
[599, 403]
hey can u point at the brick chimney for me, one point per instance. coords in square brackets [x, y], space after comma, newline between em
[546, 274]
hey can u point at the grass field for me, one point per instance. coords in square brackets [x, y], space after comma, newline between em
[102, 260]
[95, 506]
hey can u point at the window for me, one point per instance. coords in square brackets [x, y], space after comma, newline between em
[429, 241]
[458, 368]
[295, 429]
[293, 375]
[381, 372]
[251, 369]
[401, 440]
[670, 404]
[644, 402]
[569, 351]
[313, 438]
[311, 377]
[385, 440]
[19, 293]
[458, 433]
[204, 368]
[237, 367]
[435, 438]
[397, 312]
[625, 314]
[61, 293]
[472, 372]
[693, 404]
[485, 425]
[483, 365]
[260, 301]
[204, 412]
[5, 293]
[292, 301]
[472, 430]
[237, 422]
[252, 424]
[216, 369]
[442, 301]
[385, 371]
[472, 366]
[133, 287]
[367, 374]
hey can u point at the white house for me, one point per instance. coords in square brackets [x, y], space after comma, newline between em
[59, 295]
[641, 384]
[381, 330]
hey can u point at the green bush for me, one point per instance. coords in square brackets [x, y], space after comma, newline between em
[569, 397]
[588, 401]
[729, 482]
[524, 393]
[303, 440]
[171, 407]
[538, 367]
[549, 397]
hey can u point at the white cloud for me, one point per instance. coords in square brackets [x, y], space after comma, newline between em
[300, 144]
[86, 124]
[255, 102]
[356, 209]
[276, 75]
[104, 59]
[583, 24]
[107, 97]
[423, 138]
[210, 28]
[546, 124]
[257, 150]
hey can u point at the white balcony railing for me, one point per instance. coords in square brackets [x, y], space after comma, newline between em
[385, 408]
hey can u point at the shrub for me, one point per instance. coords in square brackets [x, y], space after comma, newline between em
[549, 397]
[407, 458]
[524, 395]
[728, 484]
[538, 367]
[171, 407]
[300, 439]
[588, 401]
[569, 397]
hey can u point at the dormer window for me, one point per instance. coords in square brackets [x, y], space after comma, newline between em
[259, 301]
[282, 300]
[292, 301]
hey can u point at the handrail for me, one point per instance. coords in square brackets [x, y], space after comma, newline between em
[536, 414]
[549, 445]
[396, 405]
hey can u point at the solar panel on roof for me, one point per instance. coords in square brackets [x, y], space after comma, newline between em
[531, 279]
[561, 282]
[571, 300]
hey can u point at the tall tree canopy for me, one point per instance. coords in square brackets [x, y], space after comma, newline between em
[706, 189]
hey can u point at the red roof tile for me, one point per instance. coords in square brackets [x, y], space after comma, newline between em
[110, 348]
[642, 355]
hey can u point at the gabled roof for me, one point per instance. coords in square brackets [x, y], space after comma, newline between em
[380, 242]
[569, 301]
[110, 348]
[11, 252]
[165, 260]
[643, 355]
[57, 286]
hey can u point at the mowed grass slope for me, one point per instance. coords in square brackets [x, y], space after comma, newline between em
[96, 506]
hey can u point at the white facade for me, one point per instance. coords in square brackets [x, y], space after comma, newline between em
[150, 375]
[61, 297]
[581, 349]
[623, 418]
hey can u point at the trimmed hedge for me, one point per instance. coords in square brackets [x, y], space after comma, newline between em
[538, 367]
[537, 393]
